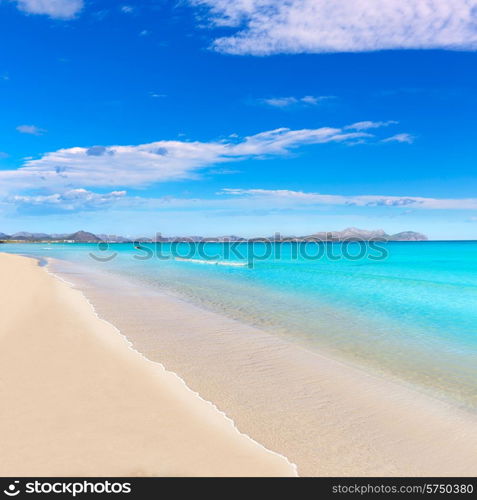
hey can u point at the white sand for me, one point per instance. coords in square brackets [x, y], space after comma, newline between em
[78, 401]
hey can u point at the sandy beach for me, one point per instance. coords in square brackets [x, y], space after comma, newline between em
[78, 401]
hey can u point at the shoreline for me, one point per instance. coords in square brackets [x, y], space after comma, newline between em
[70, 433]
[328, 417]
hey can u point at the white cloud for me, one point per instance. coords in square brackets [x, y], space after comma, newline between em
[57, 9]
[236, 199]
[30, 129]
[283, 196]
[284, 102]
[127, 9]
[161, 161]
[266, 27]
[365, 125]
[408, 138]
[71, 200]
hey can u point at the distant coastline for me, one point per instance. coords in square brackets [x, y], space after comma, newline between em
[348, 234]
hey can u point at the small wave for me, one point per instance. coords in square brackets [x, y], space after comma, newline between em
[213, 262]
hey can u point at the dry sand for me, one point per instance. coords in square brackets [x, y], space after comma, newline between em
[78, 401]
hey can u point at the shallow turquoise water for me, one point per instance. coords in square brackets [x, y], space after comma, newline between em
[405, 309]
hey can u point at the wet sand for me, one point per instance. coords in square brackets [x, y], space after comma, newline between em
[328, 417]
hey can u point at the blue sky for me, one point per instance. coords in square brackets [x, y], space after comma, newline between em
[214, 117]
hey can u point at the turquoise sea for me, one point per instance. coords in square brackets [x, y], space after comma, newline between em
[407, 310]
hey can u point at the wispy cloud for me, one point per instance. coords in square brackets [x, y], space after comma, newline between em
[161, 161]
[230, 199]
[408, 138]
[30, 129]
[315, 26]
[68, 201]
[56, 9]
[286, 102]
[365, 125]
[73, 200]
[275, 197]
[127, 9]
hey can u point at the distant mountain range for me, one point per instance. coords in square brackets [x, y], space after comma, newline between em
[353, 233]
[78, 237]
[349, 234]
